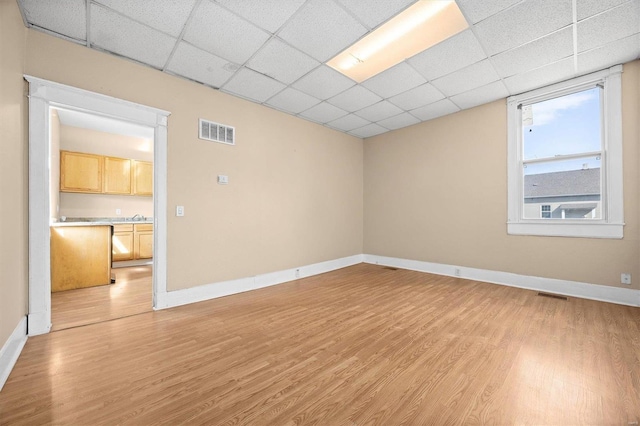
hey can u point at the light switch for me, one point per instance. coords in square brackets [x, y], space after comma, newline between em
[223, 179]
[179, 211]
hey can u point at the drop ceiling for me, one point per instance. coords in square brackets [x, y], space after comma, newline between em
[273, 52]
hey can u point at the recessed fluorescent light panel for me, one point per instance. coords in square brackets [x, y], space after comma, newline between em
[420, 26]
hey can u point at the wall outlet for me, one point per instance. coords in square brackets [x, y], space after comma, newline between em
[118, 212]
[297, 273]
[179, 211]
[456, 272]
[625, 278]
[223, 179]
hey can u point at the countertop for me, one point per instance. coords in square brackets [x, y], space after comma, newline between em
[99, 221]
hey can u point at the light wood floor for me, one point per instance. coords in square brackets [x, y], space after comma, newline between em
[359, 346]
[131, 294]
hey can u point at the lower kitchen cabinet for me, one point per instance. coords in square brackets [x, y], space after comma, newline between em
[143, 241]
[80, 257]
[122, 242]
[132, 241]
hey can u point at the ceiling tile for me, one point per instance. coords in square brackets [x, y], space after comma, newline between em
[379, 111]
[476, 10]
[523, 23]
[263, 13]
[293, 101]
[435, 110]
[468, 78]
[323, 83]
[113, 32]
[323, 113]
[66, 17]
[375, 12]
[417, 97]
[355, 99]
[399, 121]
[455, 53]
[532, 55]
[282, 62]
[348, 122]
[615, 24]
[322, 29]
[481, 95]
[587, 8]
[252, 85]
[168, 16]
[618, 52]
[368, 131]
[395, 80]
[222, 33]
[540, 77]
[191, 62]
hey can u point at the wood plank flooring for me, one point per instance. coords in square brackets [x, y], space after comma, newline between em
[131, 294]
[359, 346]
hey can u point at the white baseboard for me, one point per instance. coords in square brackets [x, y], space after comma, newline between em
[225, 288]
[603, 293]
[11, 350]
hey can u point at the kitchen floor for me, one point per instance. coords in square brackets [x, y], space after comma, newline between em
[131, 294]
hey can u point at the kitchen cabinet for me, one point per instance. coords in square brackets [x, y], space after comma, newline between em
[132, 241]
[98, 174]
[122, 242]
[80, 172]
[117, 176]
[142, 177]
[143, 241]
[80, 257]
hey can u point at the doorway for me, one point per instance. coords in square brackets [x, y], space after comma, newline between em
[45, 96]
[100, 180]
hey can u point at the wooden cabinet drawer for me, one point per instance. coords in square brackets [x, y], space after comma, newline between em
[125, 227]
[142, 227]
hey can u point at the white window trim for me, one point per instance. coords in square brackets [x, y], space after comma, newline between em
[612, 223]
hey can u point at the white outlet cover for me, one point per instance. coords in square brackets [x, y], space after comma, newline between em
[179, 211]
[625, 278]
[223, 179]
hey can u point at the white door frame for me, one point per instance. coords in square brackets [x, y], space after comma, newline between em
[44, 94]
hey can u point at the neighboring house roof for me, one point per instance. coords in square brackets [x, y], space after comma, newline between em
[556, 184]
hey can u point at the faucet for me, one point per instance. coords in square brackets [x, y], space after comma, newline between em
[137, 216]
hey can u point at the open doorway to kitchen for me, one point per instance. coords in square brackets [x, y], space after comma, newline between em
[97, 207]
[101, 217]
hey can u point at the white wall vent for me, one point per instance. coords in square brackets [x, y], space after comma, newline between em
[216, 132]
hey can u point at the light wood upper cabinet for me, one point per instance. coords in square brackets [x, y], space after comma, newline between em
[98, 174]
[142, 177]
[80, 172]
[117, 175]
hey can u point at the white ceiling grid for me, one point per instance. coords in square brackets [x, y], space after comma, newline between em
[273, 51]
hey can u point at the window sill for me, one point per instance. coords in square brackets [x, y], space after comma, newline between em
[578, 230]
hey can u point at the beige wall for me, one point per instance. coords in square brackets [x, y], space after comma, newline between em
[13, 171]
[95, 142]
[295, 197]
[437, 192]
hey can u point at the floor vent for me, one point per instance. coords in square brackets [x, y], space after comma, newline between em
[216, 132]
[390, 268]
[553, 296]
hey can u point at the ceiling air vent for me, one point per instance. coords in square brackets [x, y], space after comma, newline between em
[216, 132]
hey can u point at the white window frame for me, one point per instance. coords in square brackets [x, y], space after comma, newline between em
[543, 211]
[611, 224]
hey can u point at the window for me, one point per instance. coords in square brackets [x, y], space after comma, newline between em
[545, 211]
[565, 158]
